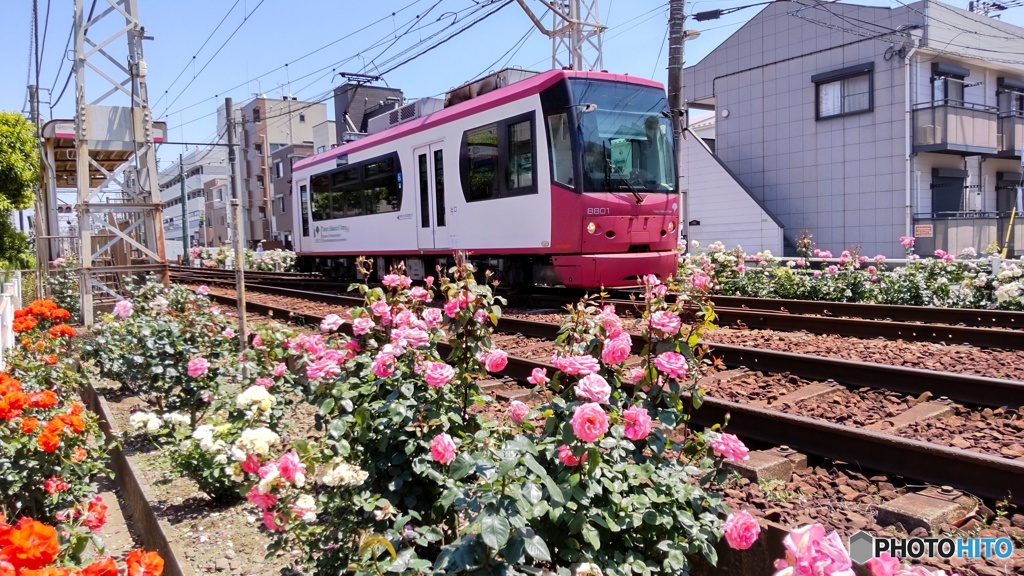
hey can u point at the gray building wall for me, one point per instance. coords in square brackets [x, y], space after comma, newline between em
[201, 166]
[282, 161]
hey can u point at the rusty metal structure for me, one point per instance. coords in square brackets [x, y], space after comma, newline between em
[108, 154]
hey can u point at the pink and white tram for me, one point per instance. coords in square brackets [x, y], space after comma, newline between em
[565, 177]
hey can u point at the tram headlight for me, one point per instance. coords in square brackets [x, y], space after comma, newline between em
[592, 228]
[671, 226]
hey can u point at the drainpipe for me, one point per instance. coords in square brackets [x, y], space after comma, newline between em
[909, 136]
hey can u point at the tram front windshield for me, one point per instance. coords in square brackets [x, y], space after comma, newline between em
[626, 140]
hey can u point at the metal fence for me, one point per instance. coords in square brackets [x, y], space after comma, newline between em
[10, 300]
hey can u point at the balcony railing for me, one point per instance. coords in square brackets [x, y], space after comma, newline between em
[955, 127]
[1011, 133]
[954, 231]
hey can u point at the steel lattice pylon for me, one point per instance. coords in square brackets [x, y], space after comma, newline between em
[576, 30]
[119, 216]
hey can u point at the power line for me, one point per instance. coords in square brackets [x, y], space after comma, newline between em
[192, 61]
[304, 56]
[215, 54]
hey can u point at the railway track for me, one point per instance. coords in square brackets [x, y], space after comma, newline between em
[981, 474]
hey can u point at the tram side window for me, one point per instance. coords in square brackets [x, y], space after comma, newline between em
[497, 160]
[370, 187]
[480, 163]
[321, 187]
[561, 148]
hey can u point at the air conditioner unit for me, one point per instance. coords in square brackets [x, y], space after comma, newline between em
[926, 135]
[411, 111]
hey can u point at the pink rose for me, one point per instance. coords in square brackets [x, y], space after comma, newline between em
[273, 522]
[617, 349]
[257, 342]
[396, 280]
[573, 365]
[437, 374]
[314, 344]
[442, 448]
[204, 290]
[280, 369]
[409, 338]
[382, 310]
[322, 368]
[884, 565]
[907, 241]
[636, 375]
[609, 320]
[672, 364]
[251, 464]
[451, 308]
[330, 323]
[565, 456]
[428, 280]
[495, 360]
[264, 382]
[290, 467]
[589, 422]
[741, 530]
[123, 309]
[809, 550]
[593, 388]
[538, 377]
[701, 281]
[665, 322]
[362, 325]
[419, 294]
[518, 411]
[384, 365]
[228, 333]
[198, 366]
[729, 447]
[263, 501]
[433, 317]
[638, 423]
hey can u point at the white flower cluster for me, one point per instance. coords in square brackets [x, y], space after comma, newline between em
[206, 436]
[153, 422]
[256, 399]
[343, 474]
[257, 441]
[305, 508]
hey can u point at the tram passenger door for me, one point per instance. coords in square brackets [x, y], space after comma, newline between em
[431, 209]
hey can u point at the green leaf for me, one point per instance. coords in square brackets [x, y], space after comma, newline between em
[326, 406]
[538, 549]
[494, 530]
[535, 466]
[532, 493]
[460, 468]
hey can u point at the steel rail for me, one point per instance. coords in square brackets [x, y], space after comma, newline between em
[965, 388]
[980, 474]
[925, 314]
[769, 320]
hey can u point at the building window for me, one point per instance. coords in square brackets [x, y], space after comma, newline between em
[278, 169]
[302, 117]
[504, 148]
[320, 149]
[948, 187]
[256, 114]
[280, 205]
[259, 149]
[844, 92]
[1010, 96]
[259, 181]
[948, 83]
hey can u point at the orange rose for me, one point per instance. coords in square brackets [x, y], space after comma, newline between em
[62, 330]
[50, 359]
[29, 424]
[48, 442]
[33, 545]
[101, 567]
[79, 454]
[43, 399]
[76, 409]
[144, 563]
[60, 314]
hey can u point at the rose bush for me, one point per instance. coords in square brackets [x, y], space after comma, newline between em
[945, 280]
[410, 476]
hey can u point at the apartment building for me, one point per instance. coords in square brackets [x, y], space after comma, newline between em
[268, 124]
[195, 169]
[862, 124]
[282, 161]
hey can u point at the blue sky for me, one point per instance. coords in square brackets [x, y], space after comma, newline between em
[279, 32]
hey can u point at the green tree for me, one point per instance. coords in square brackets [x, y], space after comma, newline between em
[19, 171]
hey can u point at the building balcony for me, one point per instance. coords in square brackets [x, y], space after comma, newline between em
[954, 127]
[954, 231]
[1011, 134]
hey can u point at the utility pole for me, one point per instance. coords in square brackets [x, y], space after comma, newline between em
[236, 210]
[676, 105]
[184, 210]
[41, 234]
[576, 29]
